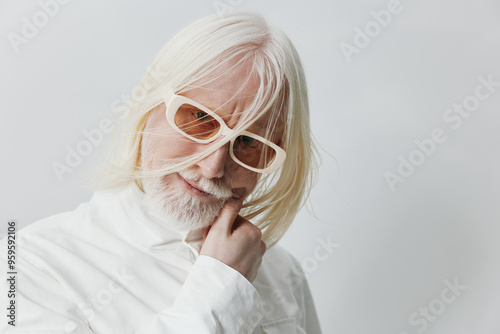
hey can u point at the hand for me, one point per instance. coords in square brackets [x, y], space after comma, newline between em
[234, 241]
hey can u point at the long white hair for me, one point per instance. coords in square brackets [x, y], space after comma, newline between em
[189, 60]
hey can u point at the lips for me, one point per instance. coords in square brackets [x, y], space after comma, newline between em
[196, 187]
[192, 186]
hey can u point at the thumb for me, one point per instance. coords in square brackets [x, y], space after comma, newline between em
[227, 215]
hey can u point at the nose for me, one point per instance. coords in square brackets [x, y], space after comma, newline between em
[213, 166]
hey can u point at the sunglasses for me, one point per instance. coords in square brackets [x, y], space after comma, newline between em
[202, 125]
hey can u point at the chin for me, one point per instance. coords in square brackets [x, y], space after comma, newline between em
[178, 208]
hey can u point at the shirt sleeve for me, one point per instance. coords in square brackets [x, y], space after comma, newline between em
[215, 298]
[41, 304]
[310, 322]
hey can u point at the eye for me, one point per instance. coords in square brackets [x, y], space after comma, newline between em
[247, 141]
[201, 116]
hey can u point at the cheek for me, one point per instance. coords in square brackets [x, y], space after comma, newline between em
[243, 178]
[161, 143]
[166, 147]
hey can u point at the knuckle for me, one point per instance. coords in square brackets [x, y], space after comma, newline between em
[252, 232]
[256, 233]
[263, 247]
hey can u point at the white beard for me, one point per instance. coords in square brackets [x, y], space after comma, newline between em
[181, 210]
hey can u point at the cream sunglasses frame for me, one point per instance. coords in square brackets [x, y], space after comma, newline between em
[177, 100]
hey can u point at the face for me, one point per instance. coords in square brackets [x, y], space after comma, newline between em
[192, 198]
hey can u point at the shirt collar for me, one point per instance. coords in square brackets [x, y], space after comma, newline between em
[130, 216]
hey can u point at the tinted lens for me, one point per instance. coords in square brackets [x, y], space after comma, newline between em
[195, 122]
[253, 152]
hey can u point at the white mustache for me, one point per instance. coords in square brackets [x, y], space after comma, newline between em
[207, 185]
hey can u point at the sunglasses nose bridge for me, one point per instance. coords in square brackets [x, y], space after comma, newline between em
[225, 130]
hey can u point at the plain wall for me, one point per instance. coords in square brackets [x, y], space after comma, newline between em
[385, 78]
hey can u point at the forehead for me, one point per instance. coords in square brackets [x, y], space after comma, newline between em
[229, 93]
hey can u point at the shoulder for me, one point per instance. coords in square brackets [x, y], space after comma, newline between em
[51, 225]
[68, 239]
[280, 259]
[284, 289]
[280, 270]
[58, 222]
[55, 226]
[77, 223]
[51, 237]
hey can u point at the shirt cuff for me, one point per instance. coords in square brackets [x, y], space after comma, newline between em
[216, 290]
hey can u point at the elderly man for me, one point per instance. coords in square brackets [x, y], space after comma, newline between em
[220, 136]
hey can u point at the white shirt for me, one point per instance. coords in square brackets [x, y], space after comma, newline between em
[111, 267]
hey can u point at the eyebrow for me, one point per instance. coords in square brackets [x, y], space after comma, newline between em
[259, 124]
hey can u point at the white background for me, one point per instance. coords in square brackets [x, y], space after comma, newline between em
[396, 247]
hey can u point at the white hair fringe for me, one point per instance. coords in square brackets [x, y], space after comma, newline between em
[190, 59]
